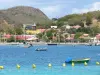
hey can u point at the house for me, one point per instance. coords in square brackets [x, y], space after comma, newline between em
[33, 32]
[85, 36]
[98, 36]
[26, 37]
[68, 27]
[55, 27]
[76, 27]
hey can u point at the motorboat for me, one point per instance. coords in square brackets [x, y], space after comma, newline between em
[69, 60]
[41, 49]
[52, 44]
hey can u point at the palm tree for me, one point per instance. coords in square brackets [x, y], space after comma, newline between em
[58, 35]
[65, 35]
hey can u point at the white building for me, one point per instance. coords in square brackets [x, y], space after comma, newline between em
[68, 27]
[54, 27]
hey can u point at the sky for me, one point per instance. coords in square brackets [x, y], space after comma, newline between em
[55, 8]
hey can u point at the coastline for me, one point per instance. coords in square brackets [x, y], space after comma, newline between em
[12, 43]
[43, 43]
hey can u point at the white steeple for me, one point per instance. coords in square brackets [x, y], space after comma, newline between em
[34, 24]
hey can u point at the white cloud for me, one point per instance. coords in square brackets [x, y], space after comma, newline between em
[51, 10]
[6, 1]
[91, 7]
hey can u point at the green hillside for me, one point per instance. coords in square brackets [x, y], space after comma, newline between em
[24, 15]
[77, 19]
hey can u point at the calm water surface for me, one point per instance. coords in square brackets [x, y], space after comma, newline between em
[12, 55]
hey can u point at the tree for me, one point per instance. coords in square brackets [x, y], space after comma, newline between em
[88, 19]
[54, 19]
[18, 30]
[11, 39]
[95, 30]
[85, 30]
[60, 23]
[98, 18]
[72, 31]
[77, 35]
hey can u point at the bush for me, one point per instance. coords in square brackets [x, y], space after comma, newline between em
[11, 39]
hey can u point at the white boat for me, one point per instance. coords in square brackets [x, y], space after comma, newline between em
[41, 49]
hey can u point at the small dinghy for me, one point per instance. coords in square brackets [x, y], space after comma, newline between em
[41, 49]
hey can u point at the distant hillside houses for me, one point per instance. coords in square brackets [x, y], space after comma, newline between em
[30, 26]
[33, 32]
[76, 26]
[21, 37]
[54, 27]
[31, 29]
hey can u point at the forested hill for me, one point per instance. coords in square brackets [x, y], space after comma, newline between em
[23, 15]
[77, 19]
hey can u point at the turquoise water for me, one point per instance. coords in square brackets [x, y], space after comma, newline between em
[56, 55]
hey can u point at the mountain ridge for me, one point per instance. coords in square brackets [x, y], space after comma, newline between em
[24, 15]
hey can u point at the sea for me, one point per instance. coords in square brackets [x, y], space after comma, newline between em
[56, 55]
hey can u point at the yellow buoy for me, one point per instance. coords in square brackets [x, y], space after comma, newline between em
[63, 64]
[85, 64]
[1, 67]
[33, 66]
[49, 65]
[18, 66]
[73, 64]
[97, 63]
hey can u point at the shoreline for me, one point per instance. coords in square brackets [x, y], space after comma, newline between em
[43, 43]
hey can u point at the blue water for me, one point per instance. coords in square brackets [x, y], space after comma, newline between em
[56, 55]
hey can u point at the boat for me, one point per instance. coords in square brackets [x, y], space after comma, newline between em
[52, 44]
[78, 60]
[41, 49]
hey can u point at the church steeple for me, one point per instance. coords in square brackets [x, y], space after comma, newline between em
[34, 26]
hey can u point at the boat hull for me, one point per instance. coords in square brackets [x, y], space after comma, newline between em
[52, 44]
[79, 61]
[41, 49]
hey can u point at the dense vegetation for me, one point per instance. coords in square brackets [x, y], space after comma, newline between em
[79, 19]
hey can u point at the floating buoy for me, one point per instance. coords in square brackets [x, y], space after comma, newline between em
[49, 65]
[33, 66]
[18, 66]
[63, 64]
[85, 64]
[97, 63]
[73, 64]
[1, 67]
